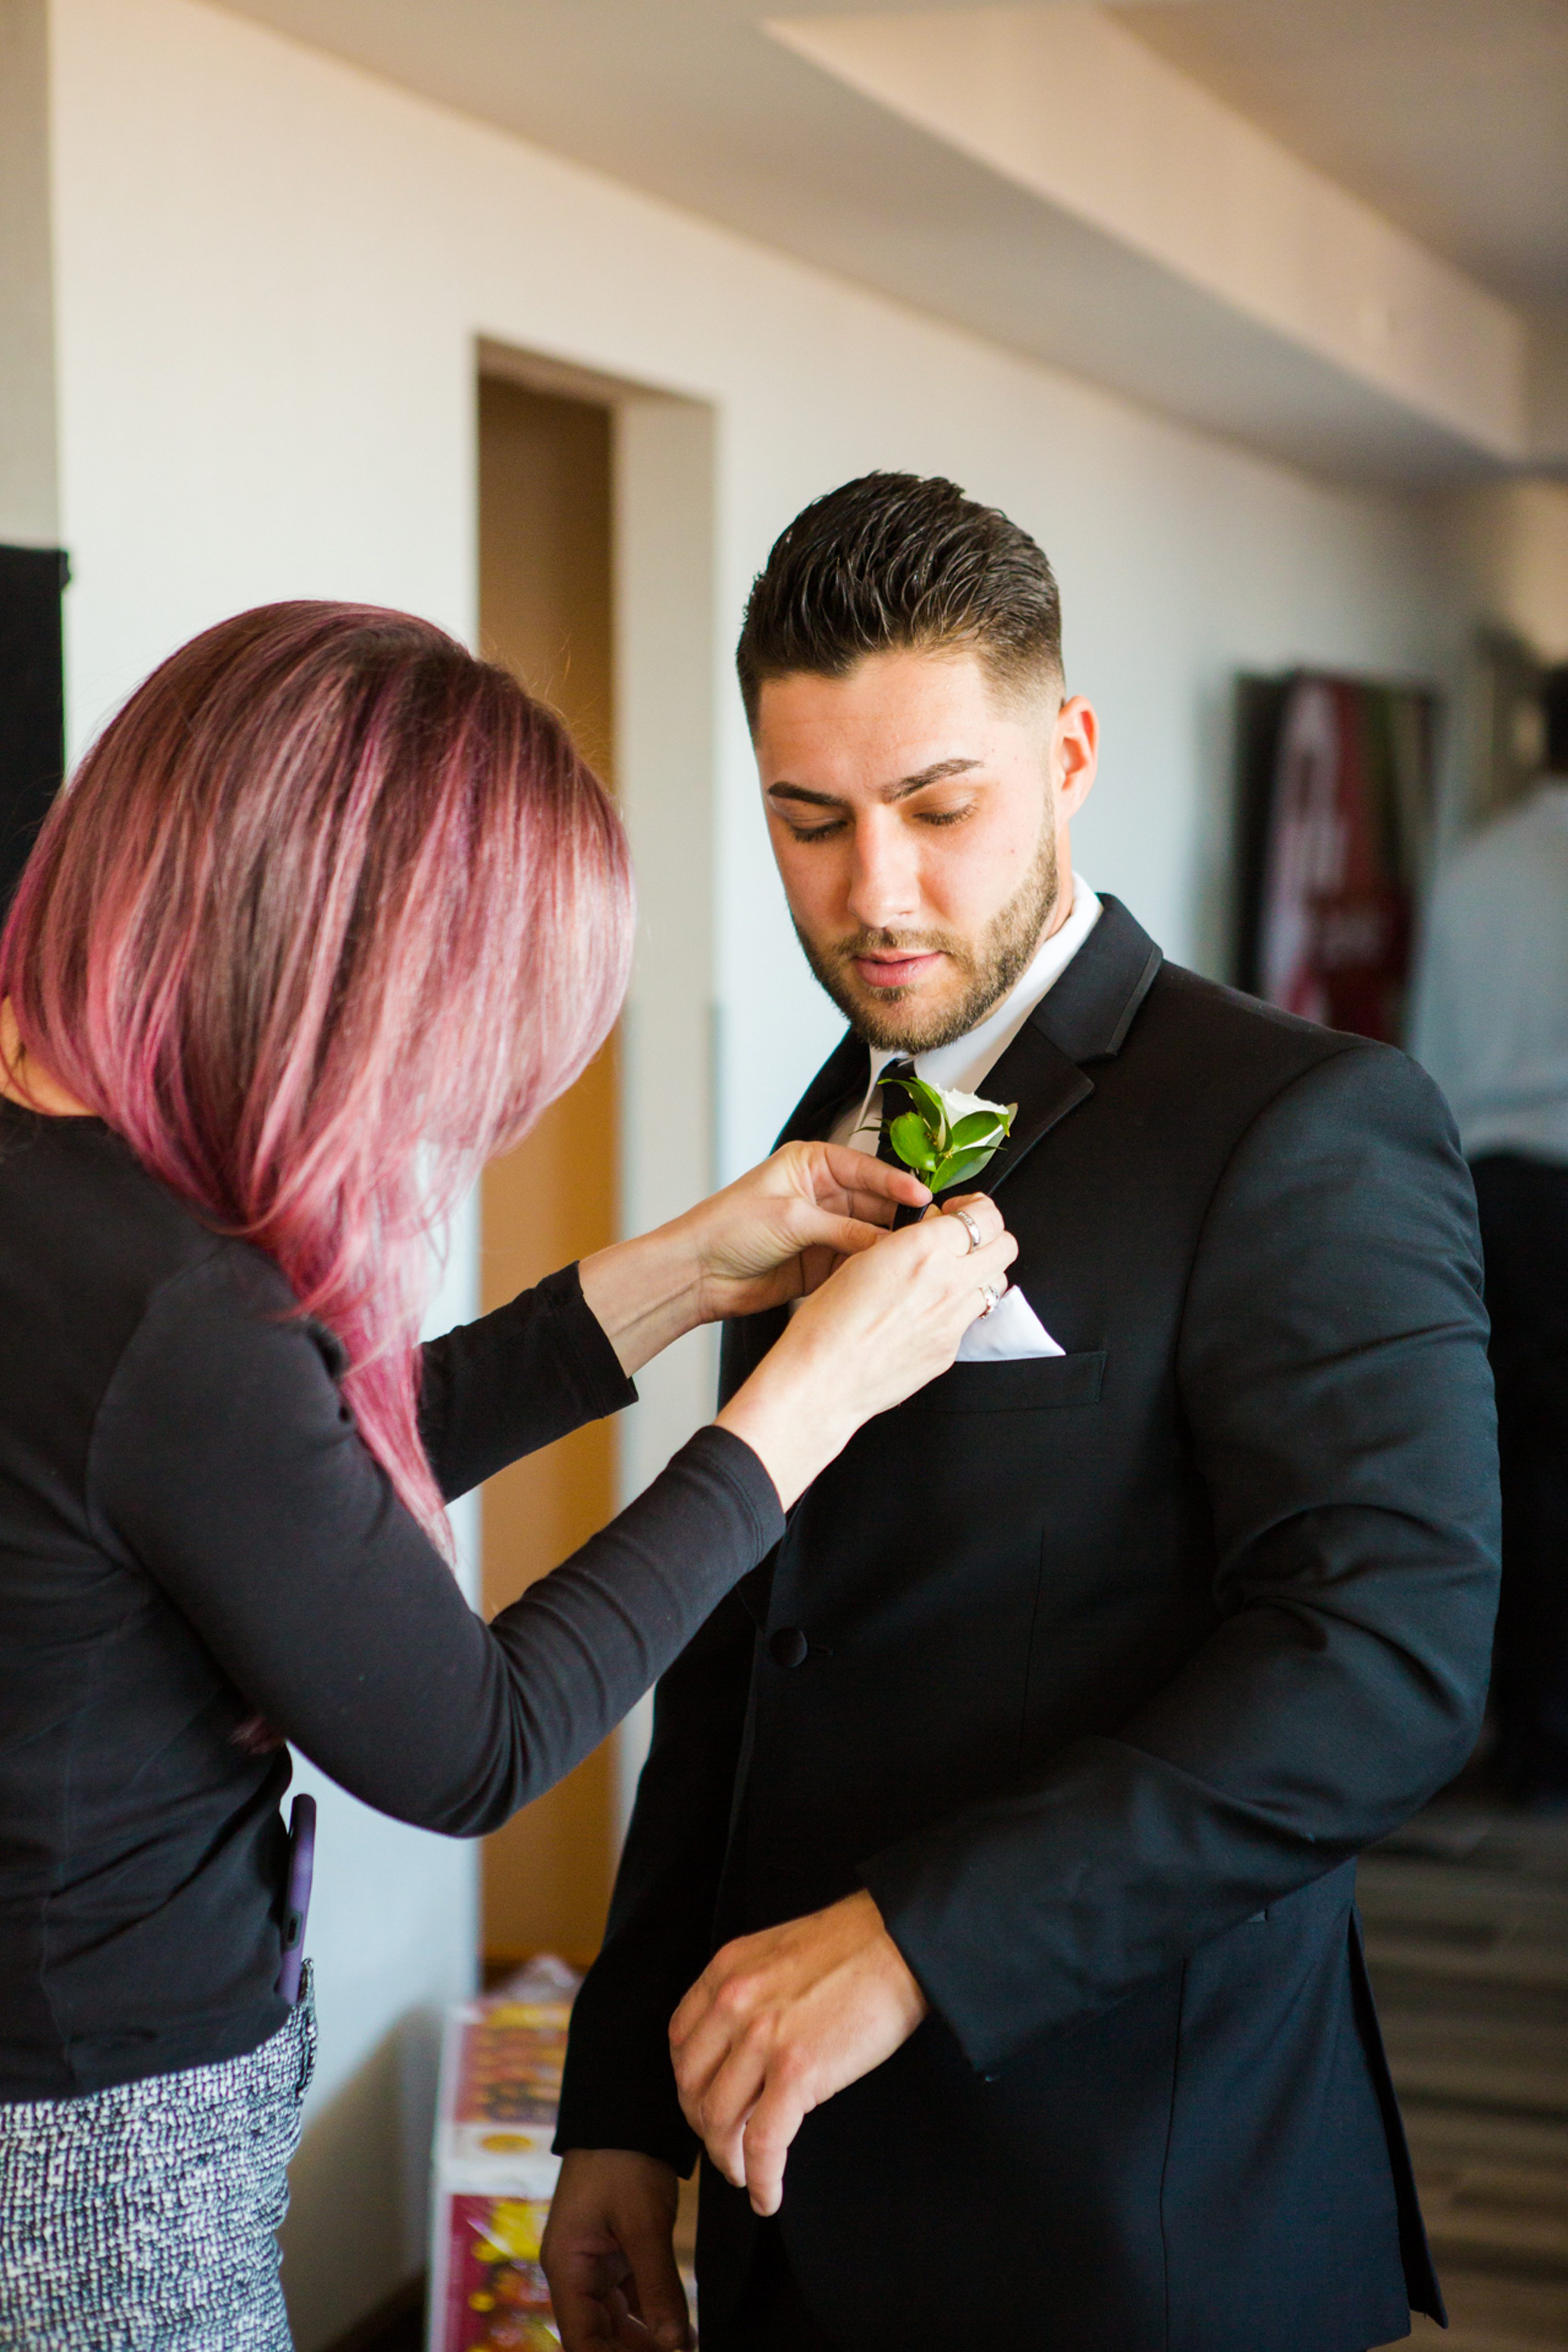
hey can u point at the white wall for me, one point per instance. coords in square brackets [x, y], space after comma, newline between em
[271, 271]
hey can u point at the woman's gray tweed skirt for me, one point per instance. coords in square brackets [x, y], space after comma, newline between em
[143, 2219]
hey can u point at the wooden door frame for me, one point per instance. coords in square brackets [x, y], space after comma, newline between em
[667, 684]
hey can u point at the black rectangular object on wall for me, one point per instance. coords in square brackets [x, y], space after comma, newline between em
[1259, 708]
[32, 699]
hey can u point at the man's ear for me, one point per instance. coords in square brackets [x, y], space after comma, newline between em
[1075, 754]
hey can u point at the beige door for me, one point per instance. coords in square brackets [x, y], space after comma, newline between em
[545, 612]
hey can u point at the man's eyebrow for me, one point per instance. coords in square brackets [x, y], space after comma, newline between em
[936, 774]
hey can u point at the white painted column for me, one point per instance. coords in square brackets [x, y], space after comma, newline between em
[29, 505]
[665, 702]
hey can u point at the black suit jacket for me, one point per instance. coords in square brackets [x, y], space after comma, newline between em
[1098, 1671]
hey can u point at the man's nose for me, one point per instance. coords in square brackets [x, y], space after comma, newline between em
[884, 882]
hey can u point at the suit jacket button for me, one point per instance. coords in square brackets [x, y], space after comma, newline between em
[788, 1646]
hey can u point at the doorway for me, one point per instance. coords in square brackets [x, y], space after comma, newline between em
[546, 611]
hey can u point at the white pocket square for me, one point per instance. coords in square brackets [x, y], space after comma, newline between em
[1011, 1332]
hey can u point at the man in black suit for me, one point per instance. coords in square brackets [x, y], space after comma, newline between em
[995, 1852]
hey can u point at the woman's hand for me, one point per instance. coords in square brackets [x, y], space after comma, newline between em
[889, 1320]
[775, 1235]
[779, 1231]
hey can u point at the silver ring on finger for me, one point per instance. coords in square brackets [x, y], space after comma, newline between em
[993, 1297]
[970, 1227]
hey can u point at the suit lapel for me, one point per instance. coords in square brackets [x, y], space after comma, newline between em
[844, 1073]
[1044, 1084]
[1084, 1018]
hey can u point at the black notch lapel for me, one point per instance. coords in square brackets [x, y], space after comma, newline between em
[1084, 1018]
[846, 1072]
[1044, 1084]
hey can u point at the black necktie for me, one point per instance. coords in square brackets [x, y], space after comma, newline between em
[902, 1068]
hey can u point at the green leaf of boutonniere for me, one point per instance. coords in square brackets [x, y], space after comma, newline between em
[947, 1137]
[927, 1101]
[911, 1141]
[959, 1165]
[981, 1131]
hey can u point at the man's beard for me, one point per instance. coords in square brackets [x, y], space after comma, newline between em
[895, 1020]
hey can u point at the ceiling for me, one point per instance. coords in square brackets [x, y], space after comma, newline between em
[1450, 117]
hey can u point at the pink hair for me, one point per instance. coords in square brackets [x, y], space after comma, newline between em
[325, 918]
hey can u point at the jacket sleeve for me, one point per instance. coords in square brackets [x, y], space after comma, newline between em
[518, 1378]
[226, 1466]
[619, 2090]
[1333, 1375]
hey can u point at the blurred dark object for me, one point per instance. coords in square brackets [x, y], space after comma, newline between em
[1260, 711]
[1524, 1206]
[397, 2326]
[32, 699]
[1554, 711]
[1493, 1033]
[1336, 791]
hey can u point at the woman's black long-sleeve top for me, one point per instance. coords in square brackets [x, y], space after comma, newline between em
[192, 1532]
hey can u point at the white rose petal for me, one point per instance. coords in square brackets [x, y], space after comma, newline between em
[956, 1105]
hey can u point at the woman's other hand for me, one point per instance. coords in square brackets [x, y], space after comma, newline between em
[889, 1320]
[775, 1234]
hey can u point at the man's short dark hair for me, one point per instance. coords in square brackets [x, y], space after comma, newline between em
[895, 563]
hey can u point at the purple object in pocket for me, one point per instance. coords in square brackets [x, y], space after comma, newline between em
[297, 1901]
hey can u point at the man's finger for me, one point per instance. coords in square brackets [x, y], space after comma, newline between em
[769, 2135]
[700, 2029]
[628, 2333]
[583, 2319]
[691, 2005]
[656, 2291]
[720, 2114]
[699, 2062]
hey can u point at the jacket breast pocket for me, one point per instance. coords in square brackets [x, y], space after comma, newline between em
[1029, 1384]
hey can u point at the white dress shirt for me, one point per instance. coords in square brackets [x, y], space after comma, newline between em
[965, 1064]
[1491, 1022]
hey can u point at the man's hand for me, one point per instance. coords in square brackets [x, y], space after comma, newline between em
[609, 2252]
[779, 2021]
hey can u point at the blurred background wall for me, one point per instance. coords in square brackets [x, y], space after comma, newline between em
[248, 291]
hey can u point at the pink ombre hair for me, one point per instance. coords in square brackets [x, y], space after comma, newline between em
[325, 918]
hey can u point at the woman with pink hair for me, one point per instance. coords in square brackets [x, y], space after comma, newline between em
[327, 917]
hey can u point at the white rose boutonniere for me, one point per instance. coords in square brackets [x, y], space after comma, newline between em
[948, 1135]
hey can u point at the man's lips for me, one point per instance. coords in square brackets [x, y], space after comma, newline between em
[896, 970]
